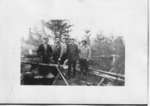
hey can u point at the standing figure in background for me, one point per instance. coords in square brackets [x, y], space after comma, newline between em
[45, 53]
[72, 57]
[85, 56]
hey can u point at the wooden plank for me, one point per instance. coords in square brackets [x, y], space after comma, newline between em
[56, 78]
[110, 73]
[106, 76]
[101, 81]
[61, 74]
[41, 64]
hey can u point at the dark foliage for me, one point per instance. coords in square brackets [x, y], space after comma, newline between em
[59, 27]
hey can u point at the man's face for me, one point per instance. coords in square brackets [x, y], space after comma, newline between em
[72, 41]
[63, 40]
[83, 43]
[57, 40]
[45, 41]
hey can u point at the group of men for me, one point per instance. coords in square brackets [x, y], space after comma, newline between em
[65, 51]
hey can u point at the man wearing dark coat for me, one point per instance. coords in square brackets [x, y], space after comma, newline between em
[45, 53]
[57, 50]
[72, 57]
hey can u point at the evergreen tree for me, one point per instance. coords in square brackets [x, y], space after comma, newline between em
[59, 27]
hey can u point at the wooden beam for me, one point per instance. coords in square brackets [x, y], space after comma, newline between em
[110, 73]
[101, 81]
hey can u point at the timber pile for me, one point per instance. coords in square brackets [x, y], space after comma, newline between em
[104, 75]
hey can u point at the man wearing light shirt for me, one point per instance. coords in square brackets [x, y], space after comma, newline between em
[85, 56]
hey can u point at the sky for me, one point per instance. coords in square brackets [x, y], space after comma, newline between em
[115, 17]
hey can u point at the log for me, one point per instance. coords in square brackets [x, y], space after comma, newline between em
[50, 65]
[110, 73]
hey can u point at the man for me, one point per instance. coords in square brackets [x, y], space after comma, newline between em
[85, 56]
[45, 53]
[63, 53]
[72, 57]
[60, 49]
[57, 50]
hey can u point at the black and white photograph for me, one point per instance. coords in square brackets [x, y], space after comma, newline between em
[74, 52]
[57, 53]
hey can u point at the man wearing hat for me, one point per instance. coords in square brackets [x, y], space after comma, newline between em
[85, 56]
